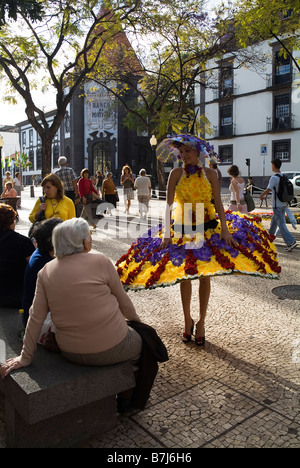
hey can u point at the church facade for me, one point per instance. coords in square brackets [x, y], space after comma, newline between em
[91, 136]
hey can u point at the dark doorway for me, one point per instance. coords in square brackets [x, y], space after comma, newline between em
[102, 157]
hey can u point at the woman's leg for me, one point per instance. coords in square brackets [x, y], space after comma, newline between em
[186, 295]
[87, 214]
[204, 294]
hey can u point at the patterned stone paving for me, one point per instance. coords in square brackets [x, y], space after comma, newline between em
[242, 390]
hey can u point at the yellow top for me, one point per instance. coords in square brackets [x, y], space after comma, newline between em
[63, 209]
[193, 190]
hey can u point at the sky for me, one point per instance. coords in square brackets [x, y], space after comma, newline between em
[11, 114]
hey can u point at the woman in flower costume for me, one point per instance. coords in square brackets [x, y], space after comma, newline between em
[194, 242]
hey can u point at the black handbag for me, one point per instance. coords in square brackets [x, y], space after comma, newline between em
[249, 201]
[38, 219]
[88, 198]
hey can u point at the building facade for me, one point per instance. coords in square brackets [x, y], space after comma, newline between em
[9, 137]
[254, 114]
[92, 135]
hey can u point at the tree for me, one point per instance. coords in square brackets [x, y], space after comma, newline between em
[58, 51]
[30, 8]
[261, 20]
[176, 57]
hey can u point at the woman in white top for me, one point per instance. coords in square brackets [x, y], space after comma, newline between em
[237, 187]
[18, 187]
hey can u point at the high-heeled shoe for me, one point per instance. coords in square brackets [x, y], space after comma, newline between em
[199, 340]
[187, 338]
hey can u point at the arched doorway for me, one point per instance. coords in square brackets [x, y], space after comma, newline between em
[102, 157]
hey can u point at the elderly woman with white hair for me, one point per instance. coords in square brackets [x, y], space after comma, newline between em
[87, 301]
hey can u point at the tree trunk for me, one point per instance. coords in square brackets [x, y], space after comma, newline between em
[46, 155]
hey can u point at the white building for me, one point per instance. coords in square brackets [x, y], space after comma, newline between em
[10, 137]
[253, 113]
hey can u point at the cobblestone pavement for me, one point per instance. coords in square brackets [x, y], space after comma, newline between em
[242, 390]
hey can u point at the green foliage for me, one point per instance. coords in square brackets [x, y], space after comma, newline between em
[261, 20]
[10, 9]
[174, 42]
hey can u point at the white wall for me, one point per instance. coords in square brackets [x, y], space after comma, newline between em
[250, 113]
[11, 143]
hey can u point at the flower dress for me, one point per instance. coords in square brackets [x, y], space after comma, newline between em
[196, 249]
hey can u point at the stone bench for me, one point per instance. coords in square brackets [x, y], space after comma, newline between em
[52, 402]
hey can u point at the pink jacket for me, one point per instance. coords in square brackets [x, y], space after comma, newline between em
[88, 305]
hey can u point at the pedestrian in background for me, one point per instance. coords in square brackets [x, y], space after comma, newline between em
[99, 180]
[68, 177]
[237, 187]
[7, 178]
[213, 164]
[109, 192]
[18, 187]
[127, 181]
[86, 191]
[143, 186]
[279, 207]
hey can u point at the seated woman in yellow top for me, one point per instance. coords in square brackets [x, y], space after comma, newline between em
[56, 204]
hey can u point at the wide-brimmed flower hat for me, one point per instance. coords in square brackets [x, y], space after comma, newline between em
[168, 149]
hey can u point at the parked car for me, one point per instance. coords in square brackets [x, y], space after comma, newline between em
[291, 174]
[296, 185]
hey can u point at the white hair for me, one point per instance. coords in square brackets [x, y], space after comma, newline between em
[68, 237]
[62, 160]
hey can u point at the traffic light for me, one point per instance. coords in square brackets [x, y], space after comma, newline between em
[247, 162]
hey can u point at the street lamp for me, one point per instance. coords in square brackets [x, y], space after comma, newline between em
[1, 146]
[153, 143]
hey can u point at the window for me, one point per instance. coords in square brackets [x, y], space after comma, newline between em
[55, 155]
[31, 158]
[282, 150]
[282, 68]
[39, 158]
[226, 81]
[102, 157]
[31, 137]
[282, 112]
[23, 139]
[226, 154]
[226, 122]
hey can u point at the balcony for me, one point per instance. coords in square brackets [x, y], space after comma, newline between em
[224, 92]
[280, 123]
[224, 131]
[284, 78]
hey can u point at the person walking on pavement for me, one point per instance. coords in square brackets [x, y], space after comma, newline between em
[213, 164]
[18, 187]
[68, 177]
[127, 180]
[143, 186]
[279, 207]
